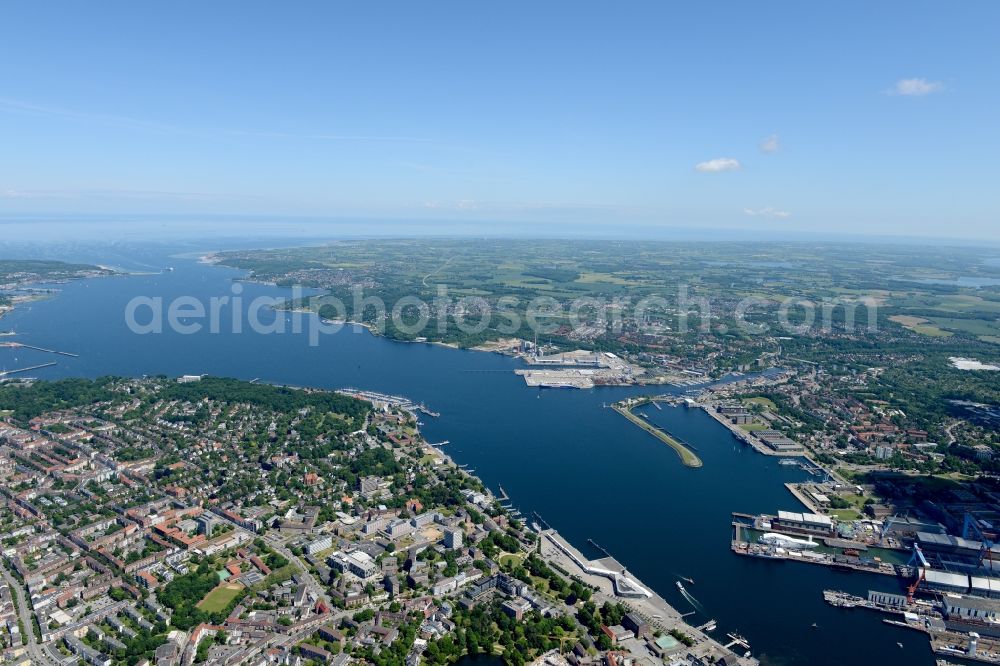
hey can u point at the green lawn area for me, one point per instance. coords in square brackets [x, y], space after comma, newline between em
[845, 514]
[219, 598]
[763, 402]
[277, 577]
[750, 427]
[510, 559]
[540, 584]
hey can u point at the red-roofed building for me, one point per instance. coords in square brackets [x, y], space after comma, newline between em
[148, 580]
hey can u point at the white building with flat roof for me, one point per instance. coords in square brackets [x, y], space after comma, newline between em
[357, 563]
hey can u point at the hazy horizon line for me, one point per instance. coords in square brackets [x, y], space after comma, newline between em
[276, 225]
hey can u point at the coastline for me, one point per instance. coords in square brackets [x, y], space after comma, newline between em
[606, 575]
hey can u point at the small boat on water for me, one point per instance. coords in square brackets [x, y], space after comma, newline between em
[680, 586]
[690, 581]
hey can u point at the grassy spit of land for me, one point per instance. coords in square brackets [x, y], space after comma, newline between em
[687, 456]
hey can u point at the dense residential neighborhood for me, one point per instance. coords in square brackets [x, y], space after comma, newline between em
[162, 521]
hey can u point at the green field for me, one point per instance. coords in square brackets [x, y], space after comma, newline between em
[763, 402]
[971, 326]
[219, 598]
[931, 331]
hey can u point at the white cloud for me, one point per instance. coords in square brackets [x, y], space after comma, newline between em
[916, 87]
[770, 144]
[767, 211]
[719, 164]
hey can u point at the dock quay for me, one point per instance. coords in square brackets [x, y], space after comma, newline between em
[925, 616]
[745, 436]
[743, 544]
[982, 649]
[884, 602]
[503, 496]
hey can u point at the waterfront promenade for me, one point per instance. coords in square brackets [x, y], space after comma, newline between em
[645, 603]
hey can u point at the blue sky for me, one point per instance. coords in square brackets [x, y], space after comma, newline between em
[859, 117]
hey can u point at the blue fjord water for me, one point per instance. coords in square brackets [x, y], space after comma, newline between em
[589, 473]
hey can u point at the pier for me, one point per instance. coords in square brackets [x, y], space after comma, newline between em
[41, 349]
[5, 373]
[423, 408]
[599, 547]
[734, 640]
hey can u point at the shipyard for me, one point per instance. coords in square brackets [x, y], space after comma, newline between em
[944, 564]
[578, 369]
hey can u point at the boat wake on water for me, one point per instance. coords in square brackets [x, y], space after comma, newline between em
[697, 605]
